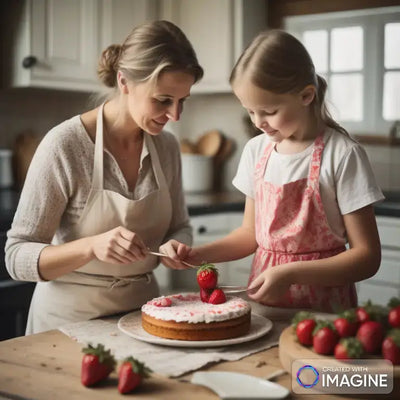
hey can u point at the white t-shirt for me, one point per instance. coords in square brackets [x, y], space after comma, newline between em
[347, 182]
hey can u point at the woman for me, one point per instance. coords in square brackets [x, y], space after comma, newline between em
[105, 186]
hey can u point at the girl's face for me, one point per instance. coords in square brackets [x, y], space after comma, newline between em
[151, 106]
[280, 116]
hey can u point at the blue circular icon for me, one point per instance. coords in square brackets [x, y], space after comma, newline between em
[316, 376]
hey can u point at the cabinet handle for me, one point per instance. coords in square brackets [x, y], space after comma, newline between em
[29, 62]
[202, 229]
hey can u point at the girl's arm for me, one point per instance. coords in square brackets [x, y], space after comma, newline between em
[238, 244]
[360, 262]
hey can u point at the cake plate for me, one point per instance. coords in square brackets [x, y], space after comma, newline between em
[131, 325]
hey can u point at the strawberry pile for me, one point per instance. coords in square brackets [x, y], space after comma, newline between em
[207, 278]
[98, 363]
[360, 332]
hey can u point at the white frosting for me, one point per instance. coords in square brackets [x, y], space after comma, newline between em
[188, 307]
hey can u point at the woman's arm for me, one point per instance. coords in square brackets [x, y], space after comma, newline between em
[238, 244]
[117, 246]
[359, 262]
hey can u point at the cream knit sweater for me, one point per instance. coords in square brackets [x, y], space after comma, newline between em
[58, 184]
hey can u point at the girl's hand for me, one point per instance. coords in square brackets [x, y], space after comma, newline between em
[118, 246]
[270, 286]
[176, 251]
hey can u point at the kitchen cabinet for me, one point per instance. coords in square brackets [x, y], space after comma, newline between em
[208, 228]
[219, 31]
[385, 284]
[59, 42]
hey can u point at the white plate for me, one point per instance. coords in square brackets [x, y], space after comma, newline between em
[234, 385]
[131, 324]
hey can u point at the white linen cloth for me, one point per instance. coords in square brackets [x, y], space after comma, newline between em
[164, 360]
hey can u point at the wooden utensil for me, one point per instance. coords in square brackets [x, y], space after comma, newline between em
[165, 255]
[209, 143]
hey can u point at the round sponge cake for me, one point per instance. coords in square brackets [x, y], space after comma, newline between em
[186, 317]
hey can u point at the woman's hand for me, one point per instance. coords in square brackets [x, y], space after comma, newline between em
[118, 246]
[176, 252]
[270, 286]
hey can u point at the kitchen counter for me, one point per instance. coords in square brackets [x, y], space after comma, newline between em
[46, 366]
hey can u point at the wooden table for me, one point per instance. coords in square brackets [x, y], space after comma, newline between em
[46, 366]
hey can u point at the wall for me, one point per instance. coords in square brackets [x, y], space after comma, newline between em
[36, 111]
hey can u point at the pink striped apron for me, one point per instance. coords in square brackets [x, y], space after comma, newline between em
[291, 225]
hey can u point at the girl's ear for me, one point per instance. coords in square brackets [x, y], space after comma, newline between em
[307, 95]
[122, 83]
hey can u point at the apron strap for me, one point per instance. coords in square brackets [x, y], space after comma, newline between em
[315, 164]
[97, 181]
[262, 163]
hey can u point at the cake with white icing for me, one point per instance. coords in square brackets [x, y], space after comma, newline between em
[186, 317]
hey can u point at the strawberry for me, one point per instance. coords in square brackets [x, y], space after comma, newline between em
[371, 312]
[205, 295]
[304, 330]
[325, 337]
[97, 364]
[362, 315]
[346, 325]
[391, 346]
[207, 276]
[348, 348]
[394, 317]
[217, 297]
[130, 374]
[301, 316]
[370, 334]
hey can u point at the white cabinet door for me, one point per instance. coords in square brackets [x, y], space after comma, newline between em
[58, 45]
[219, 31]
[60, 42]
[119, 17]
[386, 282]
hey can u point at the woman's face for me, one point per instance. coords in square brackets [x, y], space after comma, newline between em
[280, 116]
[151, 106]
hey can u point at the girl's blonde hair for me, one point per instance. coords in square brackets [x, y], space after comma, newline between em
[276, 61]
[148, 50]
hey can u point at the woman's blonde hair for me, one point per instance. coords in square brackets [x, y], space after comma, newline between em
[148, 50]
[276, 61]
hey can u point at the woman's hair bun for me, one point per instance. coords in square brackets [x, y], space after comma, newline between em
[108, 65]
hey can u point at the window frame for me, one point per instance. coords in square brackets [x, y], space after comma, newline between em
[373, 23]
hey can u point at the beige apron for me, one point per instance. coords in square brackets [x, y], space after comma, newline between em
[98, 288]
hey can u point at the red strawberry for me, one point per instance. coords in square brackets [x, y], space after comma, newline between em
[97, 364]
[205, 295]
[324, 337]
[371, 312]
[217, 297]
[130, 375]
[304, 330]
[394, 317]
[346, 325]
[362, 315]
[348, 348]
[370, 334]
[207, 276]
[391, 346]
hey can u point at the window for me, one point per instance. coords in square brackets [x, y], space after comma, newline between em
[358, 53]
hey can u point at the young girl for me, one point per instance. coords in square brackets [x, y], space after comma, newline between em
[309, 187]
